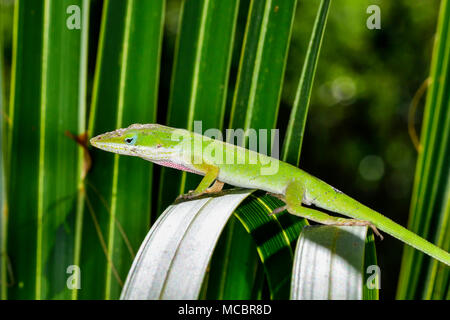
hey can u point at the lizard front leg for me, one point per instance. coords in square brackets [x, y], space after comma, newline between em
[216, 187]
[211, 175]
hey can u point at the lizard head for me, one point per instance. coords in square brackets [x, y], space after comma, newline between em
[150, 141]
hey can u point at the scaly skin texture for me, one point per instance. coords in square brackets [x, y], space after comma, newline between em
[220, 162]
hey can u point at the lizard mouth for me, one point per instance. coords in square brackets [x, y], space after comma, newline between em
[111, 147]
[107, 146]
[93, 141]
[96, 142]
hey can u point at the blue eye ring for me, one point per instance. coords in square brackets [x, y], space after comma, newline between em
[131, 140]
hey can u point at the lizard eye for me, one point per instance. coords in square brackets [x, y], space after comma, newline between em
[131, 140]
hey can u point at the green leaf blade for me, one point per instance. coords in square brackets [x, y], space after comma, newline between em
[275, 238]
[199, 79]
[45, 162]
[430, 202]
[294, 136]
[3, 197]
[262, 64]
[126, 92]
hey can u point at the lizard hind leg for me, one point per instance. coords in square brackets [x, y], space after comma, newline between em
[296, 191]
[294, 196]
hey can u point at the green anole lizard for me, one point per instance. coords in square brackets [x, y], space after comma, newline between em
[221, 162]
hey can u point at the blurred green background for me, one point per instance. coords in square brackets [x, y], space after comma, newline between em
[357, 130]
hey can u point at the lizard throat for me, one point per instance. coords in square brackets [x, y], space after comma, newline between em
[174, 165]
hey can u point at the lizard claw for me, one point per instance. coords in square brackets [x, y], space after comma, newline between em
[375, 230]
[187, 196]
[355, 222]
